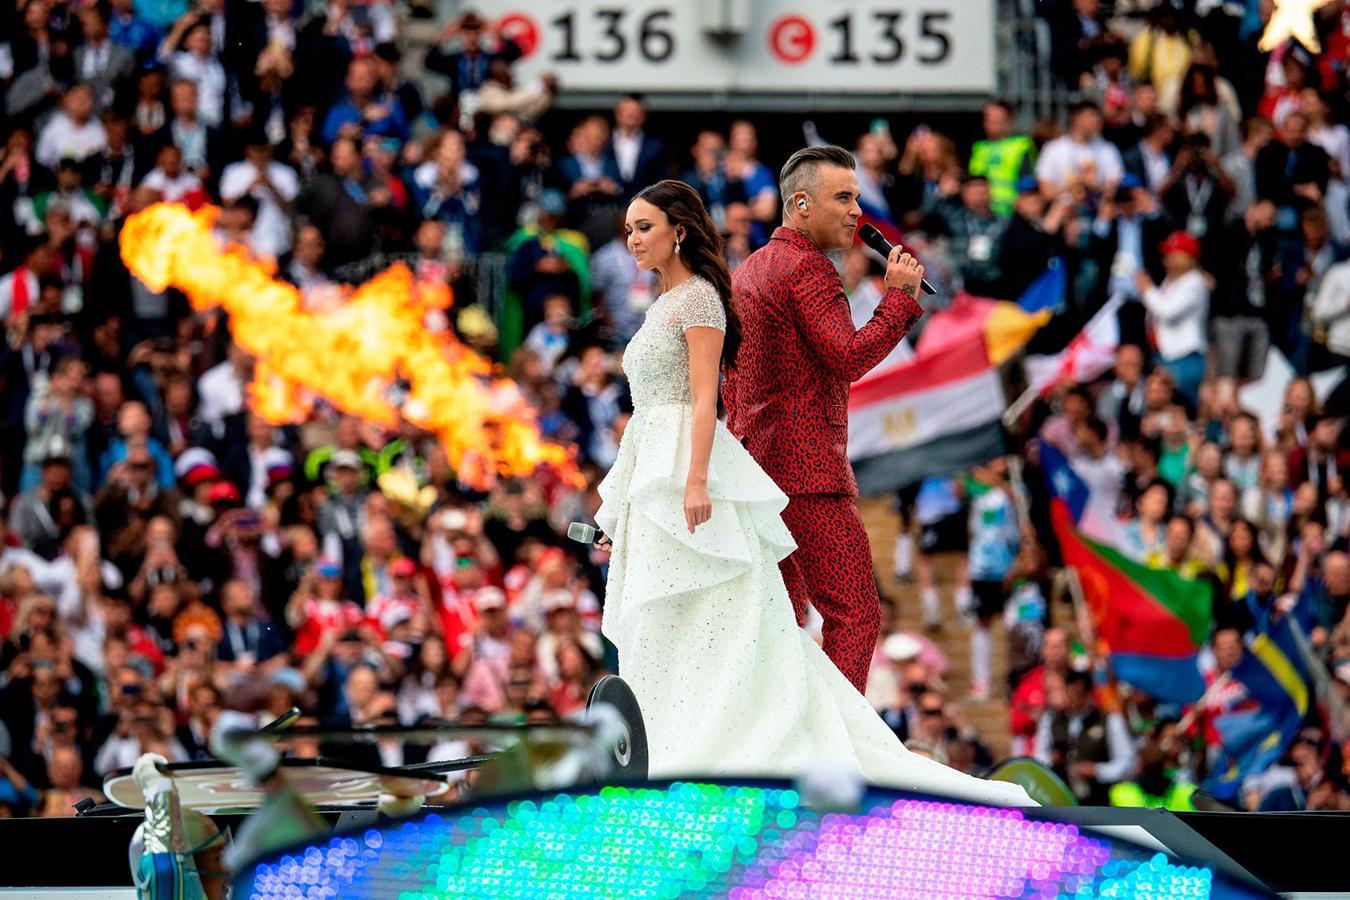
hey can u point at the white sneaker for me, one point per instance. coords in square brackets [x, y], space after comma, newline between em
[964, 598]
[904, 557]
[932, 609]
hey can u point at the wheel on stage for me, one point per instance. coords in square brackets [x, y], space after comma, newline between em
[630, 749]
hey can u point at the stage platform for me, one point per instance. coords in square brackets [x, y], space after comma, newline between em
[710, 838]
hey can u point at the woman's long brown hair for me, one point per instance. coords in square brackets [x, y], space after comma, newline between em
[701, 248]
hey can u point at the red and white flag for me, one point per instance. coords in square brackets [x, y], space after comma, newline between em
[1090, 354]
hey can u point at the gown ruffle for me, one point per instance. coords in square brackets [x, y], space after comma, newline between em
[728, 684]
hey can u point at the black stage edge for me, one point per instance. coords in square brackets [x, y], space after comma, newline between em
[1292, 852]
[1285, 852]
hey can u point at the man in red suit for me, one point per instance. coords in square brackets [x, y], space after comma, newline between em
[787, 399]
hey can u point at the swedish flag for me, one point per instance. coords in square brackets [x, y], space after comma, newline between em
[1275, 676]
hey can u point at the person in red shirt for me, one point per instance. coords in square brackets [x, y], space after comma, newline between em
[318, 606]
[787, 397]
[1028, 698]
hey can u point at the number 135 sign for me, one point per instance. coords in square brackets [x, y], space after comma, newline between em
[798, 46]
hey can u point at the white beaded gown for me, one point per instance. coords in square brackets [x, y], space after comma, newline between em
[727, 682]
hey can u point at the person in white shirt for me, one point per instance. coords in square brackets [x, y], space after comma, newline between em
[1101, 469]
[170, 179]
[273, 184]
[221, 389]
[74, 132]
[1178, 310]
[1081, 156]
[1331, 311]
[196, 63]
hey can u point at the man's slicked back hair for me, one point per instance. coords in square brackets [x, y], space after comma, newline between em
[802, 170]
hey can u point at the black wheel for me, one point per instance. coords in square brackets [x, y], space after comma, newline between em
[630, 750]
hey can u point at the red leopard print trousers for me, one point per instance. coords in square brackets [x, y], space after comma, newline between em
[832, 570]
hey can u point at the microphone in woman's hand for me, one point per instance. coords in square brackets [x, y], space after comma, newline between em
[584, 534]
[877, 241]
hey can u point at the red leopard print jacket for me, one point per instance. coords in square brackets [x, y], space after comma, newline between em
[787, 398]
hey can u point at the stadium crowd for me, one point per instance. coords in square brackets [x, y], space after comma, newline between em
[166, 553]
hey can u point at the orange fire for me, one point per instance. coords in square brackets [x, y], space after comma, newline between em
[355, 356]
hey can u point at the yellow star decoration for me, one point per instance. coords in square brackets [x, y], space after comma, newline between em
[1292, 19]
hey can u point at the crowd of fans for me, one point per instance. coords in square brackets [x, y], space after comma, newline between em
[1202, 183]
[167, 553]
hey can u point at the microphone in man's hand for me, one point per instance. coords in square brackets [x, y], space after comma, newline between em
[877, 241]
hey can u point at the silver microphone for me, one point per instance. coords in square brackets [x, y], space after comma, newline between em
[582, 533]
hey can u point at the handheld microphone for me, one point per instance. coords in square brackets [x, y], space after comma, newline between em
[582, 533]
[877, 241]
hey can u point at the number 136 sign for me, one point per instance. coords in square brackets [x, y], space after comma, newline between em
[797, 46]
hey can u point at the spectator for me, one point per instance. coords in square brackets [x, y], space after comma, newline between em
[1161, 52]
[1002, 157]
[318, 611]
[544, 261]
[188, 53]
[500, 94]
[131, 31]
[1205, 102]
[104, 65]
[171, 182]
[1240, 165]
[74, 132]
[1033, 236]
[305, 269]
[198, 140]
[1178, 310]
[272, 184]
[1074, 35]
[1293, 172]
[367, 110]
[592, 180]
[1029, 697]
[994, 538]
[1196, 194]
[638, 157]
[619, 288]
[1149, 160]
[336, 204]
[593, 402]
[65, 774]
[447, 190]
[1122, 400]
[1090, 747]
[36, 511]
[976, 232]
[709, 175]
[550, 337]
[752, 182]
[467, 64]
[1080, 157]
[56, 420]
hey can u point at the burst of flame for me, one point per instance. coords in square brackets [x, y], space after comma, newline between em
[355, 356]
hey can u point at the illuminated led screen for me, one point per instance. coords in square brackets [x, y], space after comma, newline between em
[723, 840]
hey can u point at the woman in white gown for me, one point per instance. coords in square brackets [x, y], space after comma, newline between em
[695, 604]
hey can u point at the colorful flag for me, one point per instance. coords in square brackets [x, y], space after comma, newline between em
[1064, 483]
[939, 412]
[1048, 290]
[935, 415]
[1273, 672]
[1152, 621]
[1091, 353]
